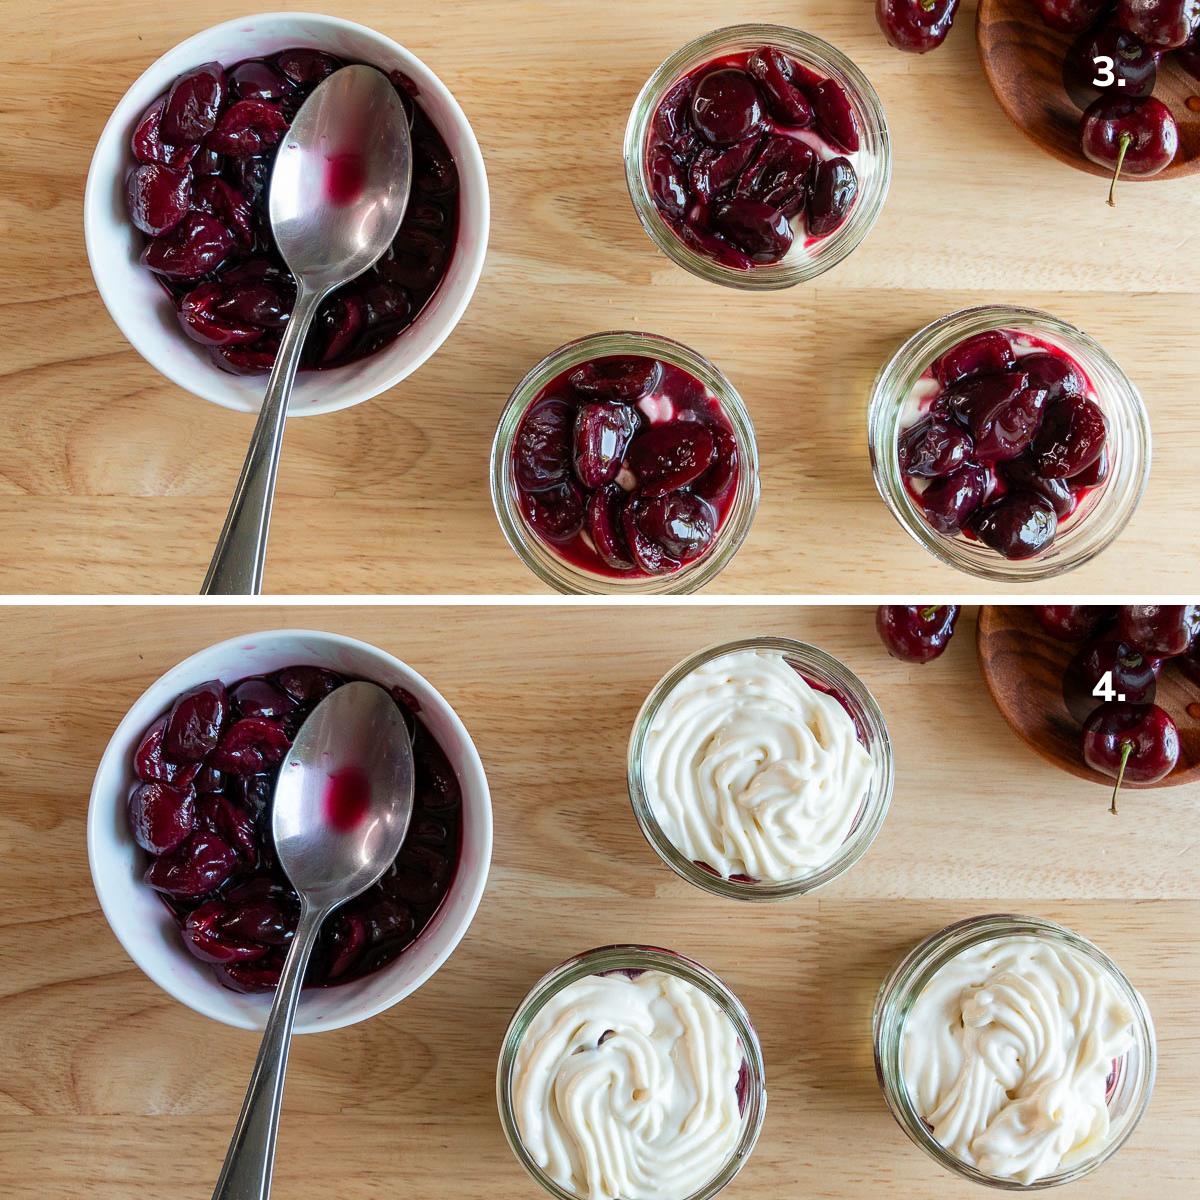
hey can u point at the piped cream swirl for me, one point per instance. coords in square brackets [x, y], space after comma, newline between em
[752, 771]
[1007, 1053]
[627, 1089]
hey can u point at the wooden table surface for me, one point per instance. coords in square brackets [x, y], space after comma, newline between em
[114, 480]
[112, 1088]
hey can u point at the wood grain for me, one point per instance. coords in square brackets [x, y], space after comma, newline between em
[107, 1080]
[112, 479]
[1023, 668]
[1022, 58]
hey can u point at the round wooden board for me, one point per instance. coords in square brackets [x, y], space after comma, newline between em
[1023, 668]
[1022, 59]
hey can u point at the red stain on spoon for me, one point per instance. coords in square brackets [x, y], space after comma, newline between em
[345, 177]
[347, 798]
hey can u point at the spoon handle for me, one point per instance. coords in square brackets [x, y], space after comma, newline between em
[246, 1174]
[237, 563]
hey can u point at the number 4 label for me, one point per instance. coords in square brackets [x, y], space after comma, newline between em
[1104, 689]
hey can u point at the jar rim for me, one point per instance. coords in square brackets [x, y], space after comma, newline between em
[648, 958]
[552, 568]
[869, 719]
[1114, 503]
[877, 145]
[909, 978]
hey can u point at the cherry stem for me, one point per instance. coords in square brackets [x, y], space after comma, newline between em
[929, 612]
[1126, 142]
[1126, 751]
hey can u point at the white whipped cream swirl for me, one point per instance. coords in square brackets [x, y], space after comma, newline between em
[1007, 1053]
[627, 1089]
[752, 771]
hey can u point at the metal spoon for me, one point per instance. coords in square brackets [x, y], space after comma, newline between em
[339, 189]
[342, 806]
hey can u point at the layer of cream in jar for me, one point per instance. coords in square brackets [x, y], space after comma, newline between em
[753, 772]
[1007, 1054]
[628, 1088]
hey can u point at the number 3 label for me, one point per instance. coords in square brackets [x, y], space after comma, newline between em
[1107, 76]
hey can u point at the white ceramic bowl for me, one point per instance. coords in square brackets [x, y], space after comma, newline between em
[144, 927]
[141, 308]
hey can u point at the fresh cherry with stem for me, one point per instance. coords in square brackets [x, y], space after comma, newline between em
[916, 633]
[1135, 135]
[916, 26]
[1134, 742]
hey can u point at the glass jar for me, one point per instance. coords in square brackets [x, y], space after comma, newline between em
[873, 165]
[1135, 1072]
[551, 568]
[606, 960]
[1103, 513]
[826, 673]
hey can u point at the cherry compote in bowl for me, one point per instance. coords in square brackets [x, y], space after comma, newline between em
[758, 157]
[625, 463]
[216, 949]
[203, 302]
[977, 427]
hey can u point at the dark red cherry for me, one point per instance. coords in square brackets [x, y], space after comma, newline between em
[715, 483]
[259, 698]
[158, 197]
[234, 823]
[713, 172]
[1134, 743]
[149, 145]
[208, 780]
[1093, 476]
[712, 245]
[1167, 24]
[1021, 475]
[1133, 70]
[307, 67]
[250, 746]
[779, 176]
[1159, 630]
[1057, 375]
[1134, 135]
[976, 402]
[835, 115]
[250, 978]
[775, 75]
[1189, 663]
[948, 502]
[1006, 427]
[196, 867]
[667, 183]
[203, 321]
[1188, 57]
[672, 125]
[834, 190]
[1071, 438]
[916, 633]
[758, 229]
[555, 512]
[604, 526]
[257, 80]
[681, 523]
[207, 162]
[1072, 622]
[1071, 16]
[603, 432]
[197, 245]
[933, 447]
[988, 353]
[1019, 525]
[915, 26]
[341, 321]
[1134, 675]
[250, 175]
[193, 104]
[247, 128]
[308, 685]
[261, 304]
[195, 722]
[543, 449]
[648, 555]
[151, 765]
[727, 107]
[230, 206]
[161, 816]
[210, 932]
[627, 379]
[670, 456]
